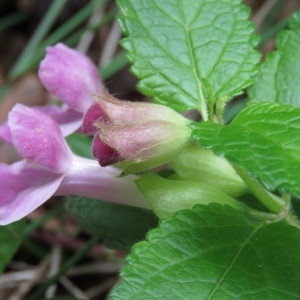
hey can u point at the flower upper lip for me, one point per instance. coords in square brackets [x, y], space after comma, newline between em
[70, 76]
[73, 78]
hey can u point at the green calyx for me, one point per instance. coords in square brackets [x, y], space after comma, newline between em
[172, 138]
[167, 196]
[202, 165]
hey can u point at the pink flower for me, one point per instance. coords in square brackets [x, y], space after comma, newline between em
[140, 135]
[70, 76]
[50, 168]
[73, 78]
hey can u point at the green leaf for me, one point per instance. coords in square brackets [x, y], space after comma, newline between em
[189, 52]
[11, 237]
[119, 226]
[265, 139]
[213, 252]
[80, 144]
[294, 21]
[279, 77]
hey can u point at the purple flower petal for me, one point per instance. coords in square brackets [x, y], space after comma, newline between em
[93, 114]
[70, 76]
[106, 155]
[24, 187]
[38, 138]
[68, 119]
[5, 133]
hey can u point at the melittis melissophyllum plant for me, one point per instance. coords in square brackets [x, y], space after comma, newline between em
[229, 204]
[226, 194]
[47, 166]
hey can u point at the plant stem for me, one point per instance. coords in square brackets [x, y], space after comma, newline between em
[289, 217]
[260, 215]
[220, 106]
[211, 113]
[272, 202]
[292, 220]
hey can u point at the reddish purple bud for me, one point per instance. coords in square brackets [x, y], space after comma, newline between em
[144, 135]
[93, 114]
[126, 112]
[105, 154]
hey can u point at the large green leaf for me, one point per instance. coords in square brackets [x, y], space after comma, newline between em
[213, 252]
[279, 78]
[189, 52]
[265, 139]
[11, 237]
[119, 226]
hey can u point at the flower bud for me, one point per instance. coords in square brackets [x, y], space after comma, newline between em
[140, 135]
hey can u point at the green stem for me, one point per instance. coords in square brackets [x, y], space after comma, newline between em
[204, 109]
[292, 220]
[211, 113]
[220, 106]
[272, 202]
[287, 198]
[260, 215]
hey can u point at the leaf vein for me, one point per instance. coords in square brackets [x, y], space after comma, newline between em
[234, 258]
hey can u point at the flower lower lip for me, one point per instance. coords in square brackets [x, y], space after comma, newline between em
[105, 154]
